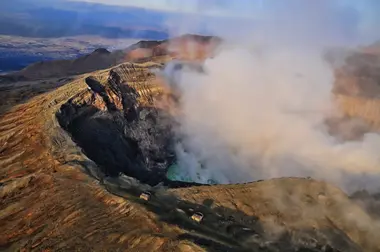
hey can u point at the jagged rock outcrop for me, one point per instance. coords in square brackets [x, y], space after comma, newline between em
[357, 87]
[361, 107]
[359, 75]
[118, 129]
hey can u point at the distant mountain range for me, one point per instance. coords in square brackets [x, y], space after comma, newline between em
[188, 47]
[45, 20]
[18, 52]
[58, 18]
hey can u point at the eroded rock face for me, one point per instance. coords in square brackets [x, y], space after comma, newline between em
[186, 47]
[152, 131]
[119, 133]
[359, 76]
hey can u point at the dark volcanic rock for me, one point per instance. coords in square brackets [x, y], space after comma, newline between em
[127, 139]
[102, 51]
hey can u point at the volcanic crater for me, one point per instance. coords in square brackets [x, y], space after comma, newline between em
[120, 120]
[118, 123]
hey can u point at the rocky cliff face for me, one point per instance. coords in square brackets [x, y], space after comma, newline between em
[357, 87]
[186, 47]
[359, 75]
[117, 125]
[361, 107]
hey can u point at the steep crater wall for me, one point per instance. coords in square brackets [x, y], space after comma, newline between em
[118, 124]
[118, 127]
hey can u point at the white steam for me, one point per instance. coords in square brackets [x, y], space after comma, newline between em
[259, 114]
[262, 116]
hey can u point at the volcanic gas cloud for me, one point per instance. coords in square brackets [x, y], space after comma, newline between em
[259, 111]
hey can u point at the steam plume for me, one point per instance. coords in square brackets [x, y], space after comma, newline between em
[261, 113]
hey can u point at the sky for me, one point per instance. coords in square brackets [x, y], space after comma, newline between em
[207, 7]
[352, 18]
[237, 7]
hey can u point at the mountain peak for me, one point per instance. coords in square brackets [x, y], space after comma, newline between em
[102, 51]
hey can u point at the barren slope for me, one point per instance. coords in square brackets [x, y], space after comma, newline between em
[49, 203]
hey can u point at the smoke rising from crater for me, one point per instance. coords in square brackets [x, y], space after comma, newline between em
[260, 110]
